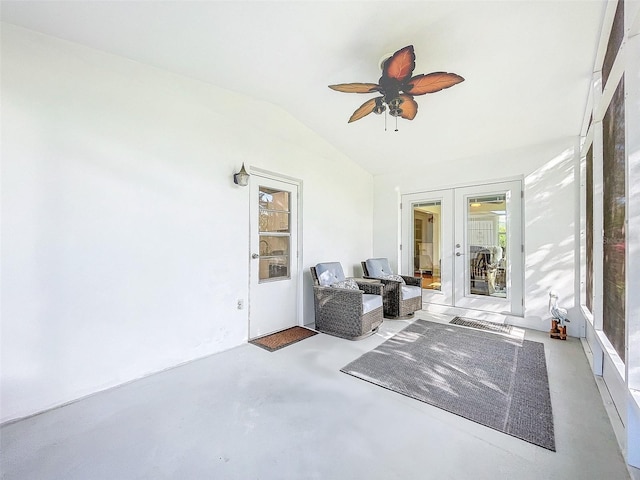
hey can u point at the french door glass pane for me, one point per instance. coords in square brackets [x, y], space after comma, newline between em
[275, 234]
[427, 243]
[486, 245]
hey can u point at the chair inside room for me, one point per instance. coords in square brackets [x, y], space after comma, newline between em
[484, 270]
[345, 307]
[423, 264]
[402, 295]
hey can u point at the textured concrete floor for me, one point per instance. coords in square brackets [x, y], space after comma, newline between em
[251, 414]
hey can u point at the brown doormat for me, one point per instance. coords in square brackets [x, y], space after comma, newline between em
[278, 340]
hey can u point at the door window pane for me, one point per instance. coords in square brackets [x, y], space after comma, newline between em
[427, 244]
[274, 267]
[272, 199]
[275, 234]
[487, 245]
[274, 256]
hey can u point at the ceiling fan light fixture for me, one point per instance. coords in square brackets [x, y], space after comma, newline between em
[380, 107]
[395, 102]
[398, 85]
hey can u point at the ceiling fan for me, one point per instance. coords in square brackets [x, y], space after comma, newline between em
[398, 87]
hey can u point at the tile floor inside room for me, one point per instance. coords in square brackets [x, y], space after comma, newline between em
[250, 414]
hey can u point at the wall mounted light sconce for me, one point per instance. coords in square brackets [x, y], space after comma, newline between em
[242, 177]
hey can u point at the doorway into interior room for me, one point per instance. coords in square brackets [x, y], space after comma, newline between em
[274, 290]
[466, 246]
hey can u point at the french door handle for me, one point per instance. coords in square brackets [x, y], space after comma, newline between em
[255, 255]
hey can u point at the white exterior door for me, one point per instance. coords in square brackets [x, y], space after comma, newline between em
[427, 239]
[466, 245]
[488, 248]
[274, 278]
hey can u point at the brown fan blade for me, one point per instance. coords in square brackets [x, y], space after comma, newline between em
[400, 65]
[409, 107]
[355, 87]
[365, 109]
[432, 82]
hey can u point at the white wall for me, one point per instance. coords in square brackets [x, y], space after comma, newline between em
[124, 240]
[549, 183]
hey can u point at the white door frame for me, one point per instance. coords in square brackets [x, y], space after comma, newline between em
[296, 261]
[444, 296]
[452, 293]
[513, 304]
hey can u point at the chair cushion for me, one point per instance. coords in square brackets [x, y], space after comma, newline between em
[411, 291]
[329, 273]
[378, 267]
[397, 278]
[348, 283]
[370, 302]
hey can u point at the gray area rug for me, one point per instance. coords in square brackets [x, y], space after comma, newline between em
[494, 380]
[482, 325]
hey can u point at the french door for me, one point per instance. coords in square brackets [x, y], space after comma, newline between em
[466, 245]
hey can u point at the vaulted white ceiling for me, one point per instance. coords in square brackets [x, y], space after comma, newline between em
[527, 64]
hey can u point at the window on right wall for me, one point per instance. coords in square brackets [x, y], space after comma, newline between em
[614, 205]
[589, 230]
[606, 196]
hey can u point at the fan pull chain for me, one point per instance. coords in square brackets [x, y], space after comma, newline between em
[396, 124]
[385, 122]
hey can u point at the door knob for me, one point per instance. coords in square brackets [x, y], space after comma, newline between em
[255, 255]
[458, 254]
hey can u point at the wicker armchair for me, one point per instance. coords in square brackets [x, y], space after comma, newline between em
[402, 294]
[345, 308]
